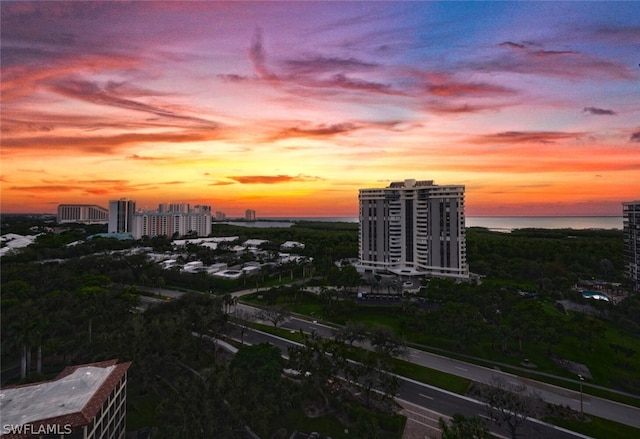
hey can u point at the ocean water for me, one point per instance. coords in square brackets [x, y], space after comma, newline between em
[507, 224]
[502, 224]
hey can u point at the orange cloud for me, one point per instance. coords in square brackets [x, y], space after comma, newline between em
[524, 137]
[108, 144]
[271, 179]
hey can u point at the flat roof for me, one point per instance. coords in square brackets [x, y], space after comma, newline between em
[50, 399]
[75, 395]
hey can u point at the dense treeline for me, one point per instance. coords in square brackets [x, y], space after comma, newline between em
[67, 300]
[72, 304]
[552, 259]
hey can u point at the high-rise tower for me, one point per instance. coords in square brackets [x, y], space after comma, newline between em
[413, 228]
[631, 228]
[121, 215]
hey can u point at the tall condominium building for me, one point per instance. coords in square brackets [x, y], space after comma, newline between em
[121, 215]
[631, 228]
[413, 228]
[180, 220]
[82, 213]
[250, 215]
[82, 402]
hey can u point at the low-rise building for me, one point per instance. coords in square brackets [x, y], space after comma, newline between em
[290, 245]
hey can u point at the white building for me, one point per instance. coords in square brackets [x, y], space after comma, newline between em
[13, 241]
[82, 213]
[631, 229]
[413, 228]
[172, 219]
[292, 245]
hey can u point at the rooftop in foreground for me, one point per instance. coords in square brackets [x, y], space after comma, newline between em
[73, 397]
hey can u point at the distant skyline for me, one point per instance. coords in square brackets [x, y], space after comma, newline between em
[289, 108]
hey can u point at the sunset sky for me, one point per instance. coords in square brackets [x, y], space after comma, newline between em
[289, 108]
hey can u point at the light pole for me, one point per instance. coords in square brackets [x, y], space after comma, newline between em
[581, 404]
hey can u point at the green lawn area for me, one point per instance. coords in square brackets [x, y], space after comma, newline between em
[141, 410]
[330, 425]
[609, 368]
[598, 428]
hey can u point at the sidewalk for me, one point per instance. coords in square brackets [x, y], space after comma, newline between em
[421, 423]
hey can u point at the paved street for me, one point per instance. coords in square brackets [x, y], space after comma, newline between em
[439, 403]
[603, 408]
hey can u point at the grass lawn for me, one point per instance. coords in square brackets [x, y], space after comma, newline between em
[330, 425]
[432, 377]
[598, 428]
[141, 410]
[610, 367]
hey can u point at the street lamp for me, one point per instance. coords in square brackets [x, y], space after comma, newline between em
[581, 404]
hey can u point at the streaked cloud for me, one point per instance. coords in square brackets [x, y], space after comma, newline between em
[513, 137]
[599, 111]
[271, 179]
[290, 107]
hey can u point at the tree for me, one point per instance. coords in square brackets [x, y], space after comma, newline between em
[502, 334]
[509, 405]
[462, 427]
[92, 302]
[256, 371]
[204, 316]
[372, 376]
[385, 341]
[259, 364]
[241, 319]
[318, 361]
[275, 314]
[196, 408]
[352, 332]
[528, 320]
[459, 321]
[20, 335]
[39, 327]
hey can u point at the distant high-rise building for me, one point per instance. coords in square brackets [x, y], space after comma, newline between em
[220, 216]
[250, 215]
[172, 219]
[631, 229]
[413, 228]
[174, 207]
[121, 215]
[82, 213]
[201, 208]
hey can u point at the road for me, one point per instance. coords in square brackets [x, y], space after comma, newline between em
[603, 408]
[440, 401]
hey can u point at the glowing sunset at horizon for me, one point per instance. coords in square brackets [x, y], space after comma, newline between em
[288, 108]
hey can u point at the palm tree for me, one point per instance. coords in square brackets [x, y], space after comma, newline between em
[39, 327]
[20, 337]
